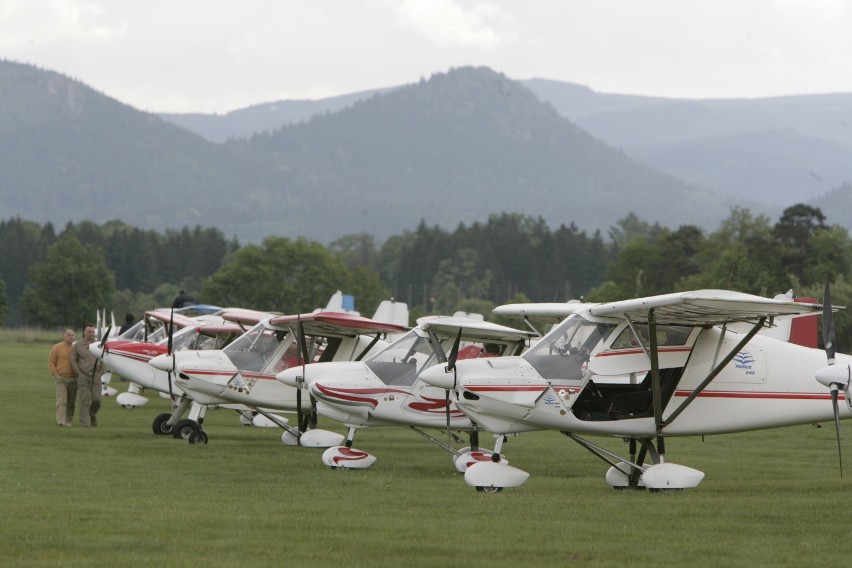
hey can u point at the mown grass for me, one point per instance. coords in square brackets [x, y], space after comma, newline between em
[118, 495]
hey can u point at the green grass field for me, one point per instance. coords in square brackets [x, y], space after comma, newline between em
[118, 495]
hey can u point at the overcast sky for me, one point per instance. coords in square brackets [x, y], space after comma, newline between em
[220, 55]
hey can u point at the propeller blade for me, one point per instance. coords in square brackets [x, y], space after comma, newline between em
[451, 366]
[828, 335]
[104, 338]
[171, 393]
[97, 361]
[171, 331]
[454, 353]
[834, 390]
[301, 356]
[834, 377]
[447, 411]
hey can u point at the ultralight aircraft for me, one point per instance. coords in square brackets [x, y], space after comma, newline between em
[244, 371]
[682, 364]
[385, 389]
[129, 357]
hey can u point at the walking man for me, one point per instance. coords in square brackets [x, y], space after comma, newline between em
[88, 369]
[59, 363]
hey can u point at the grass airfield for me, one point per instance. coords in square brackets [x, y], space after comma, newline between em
[119, 495]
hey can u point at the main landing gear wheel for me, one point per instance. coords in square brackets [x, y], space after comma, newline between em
[161, 424]
[482, 489]
[185, 428]
[199, 437]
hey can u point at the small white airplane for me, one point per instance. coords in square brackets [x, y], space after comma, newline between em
[385, 389]
[244, 371]
[129, 357]
[150, 329]
[683, 364]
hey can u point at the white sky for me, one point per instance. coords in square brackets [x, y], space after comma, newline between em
[220, 55]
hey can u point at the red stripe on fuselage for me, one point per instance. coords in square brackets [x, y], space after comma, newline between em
[639, 351]
[765, 395]
[489, 388]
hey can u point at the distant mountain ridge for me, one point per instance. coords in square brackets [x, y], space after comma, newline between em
[772, 151]
[264, 117]
[471, 140]
[782, 149]
[454, 148]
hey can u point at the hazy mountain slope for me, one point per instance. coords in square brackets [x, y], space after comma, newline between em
[837, 205]
[772, 151]
[787, 148]
[771, 166]
[243, 123]
[69, 152]
[455, 148]
[465, 143]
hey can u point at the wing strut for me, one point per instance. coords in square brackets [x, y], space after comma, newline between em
[367, 348]
[716, 370]
[532, 326]
[655, 371]
[656, 390]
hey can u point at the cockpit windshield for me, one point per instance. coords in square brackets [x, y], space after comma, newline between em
[136, 332]
[254, 349]
[401, 362]
[563, 354]
[184, 339]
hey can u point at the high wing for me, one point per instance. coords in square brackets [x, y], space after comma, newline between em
[704, 307]
[214, 328]
[473, 330]
[245, 316]
[325, 323]
[165, 316]
[542, 313]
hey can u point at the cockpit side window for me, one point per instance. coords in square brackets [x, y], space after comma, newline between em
[667, 335]
[401, 362]
[564, 353]
[253, 350]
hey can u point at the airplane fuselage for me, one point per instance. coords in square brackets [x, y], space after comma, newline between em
[129, 359]
[768, 383]
[353, 394]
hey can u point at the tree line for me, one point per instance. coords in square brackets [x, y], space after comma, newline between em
[52, 279]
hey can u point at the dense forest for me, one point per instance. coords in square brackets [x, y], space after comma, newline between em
[51, 278]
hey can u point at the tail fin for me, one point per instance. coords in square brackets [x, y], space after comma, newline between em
[801, 330]
[390, 311]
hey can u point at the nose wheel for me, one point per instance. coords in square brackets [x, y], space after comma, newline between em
[198, 438]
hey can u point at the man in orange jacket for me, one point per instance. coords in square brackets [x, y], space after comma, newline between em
[59, 363]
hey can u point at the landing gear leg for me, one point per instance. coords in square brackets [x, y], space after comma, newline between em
[474, 440]
[498, 446]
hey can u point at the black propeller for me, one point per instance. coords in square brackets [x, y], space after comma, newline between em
[101, 347]
[451, 367]
[301, 358]
[169, 349]
[829, 340]
[828, 335]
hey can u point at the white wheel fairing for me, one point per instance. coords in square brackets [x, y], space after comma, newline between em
[467, 459]
[131, 400]
[671, 476]
[319, 438]
[261, 421]
[347, 458]
[617, 479]
[490, 474]
[289, 439]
